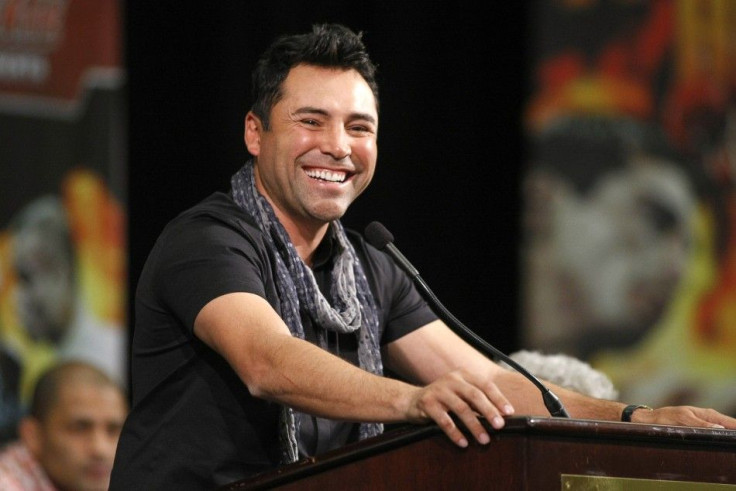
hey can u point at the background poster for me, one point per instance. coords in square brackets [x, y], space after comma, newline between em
[62, 192]
[629, 224]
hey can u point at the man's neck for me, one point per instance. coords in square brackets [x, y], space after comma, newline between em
[305, 237]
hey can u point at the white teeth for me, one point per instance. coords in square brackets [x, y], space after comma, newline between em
[327, 175]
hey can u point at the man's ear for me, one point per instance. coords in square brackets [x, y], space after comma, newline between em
[253, 129]
[29, 430]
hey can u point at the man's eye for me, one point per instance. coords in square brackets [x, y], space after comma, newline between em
[361, 129]
[310, 122]
[79, 426]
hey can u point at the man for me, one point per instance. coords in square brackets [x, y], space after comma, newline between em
[68, 440]
[607, 243]
[262, 326]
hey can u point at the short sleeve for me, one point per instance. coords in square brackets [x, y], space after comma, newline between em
[200, 259]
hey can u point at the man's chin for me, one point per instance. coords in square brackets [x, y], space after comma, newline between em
[94, 484]
[97, 478]
[329, 213]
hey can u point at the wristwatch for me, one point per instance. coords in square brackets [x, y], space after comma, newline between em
[629, 410]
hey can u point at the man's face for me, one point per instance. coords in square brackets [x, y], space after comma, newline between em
[628, 243]
[76, 443]
[45, 289]
[320, 152]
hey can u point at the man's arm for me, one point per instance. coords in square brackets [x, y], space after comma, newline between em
[435, 350]
[274, 365]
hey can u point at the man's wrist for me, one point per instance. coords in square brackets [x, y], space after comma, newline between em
[629, 411]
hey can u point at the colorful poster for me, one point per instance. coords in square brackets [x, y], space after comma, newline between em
[629, 250]
[62, 192]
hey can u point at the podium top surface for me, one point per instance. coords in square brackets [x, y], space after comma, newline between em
[540, 428]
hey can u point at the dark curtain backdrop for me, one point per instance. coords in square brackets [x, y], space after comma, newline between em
[450, 148]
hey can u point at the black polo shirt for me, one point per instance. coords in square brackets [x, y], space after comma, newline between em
[193, 424]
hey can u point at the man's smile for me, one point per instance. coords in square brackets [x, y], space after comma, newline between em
[327, 175]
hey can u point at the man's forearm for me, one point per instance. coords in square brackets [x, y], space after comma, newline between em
[305, 377]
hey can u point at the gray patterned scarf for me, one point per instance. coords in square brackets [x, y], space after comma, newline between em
[352, 307]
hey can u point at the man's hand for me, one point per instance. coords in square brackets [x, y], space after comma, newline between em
[684, 416]
[468, 397]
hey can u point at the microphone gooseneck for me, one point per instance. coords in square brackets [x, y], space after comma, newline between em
[379, 237]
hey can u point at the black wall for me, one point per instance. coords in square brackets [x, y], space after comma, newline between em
[452, 81]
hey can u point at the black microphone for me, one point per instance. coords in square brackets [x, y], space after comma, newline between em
[379, 237]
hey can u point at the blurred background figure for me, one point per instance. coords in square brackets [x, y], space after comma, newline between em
[68, 439]
[49, 306]
[61, 277]
[43, 259]
[609, 232]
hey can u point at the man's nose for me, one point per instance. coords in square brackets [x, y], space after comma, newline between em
[102, 443]
[336, 142]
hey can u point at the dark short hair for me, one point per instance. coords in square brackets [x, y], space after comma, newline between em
[327, 45]
[49, 384]
[584, 148]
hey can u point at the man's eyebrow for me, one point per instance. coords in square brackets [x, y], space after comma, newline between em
[311, 110]
[353, 116]
[364, 117]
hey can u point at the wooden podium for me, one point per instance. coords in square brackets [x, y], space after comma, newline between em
[530, 453]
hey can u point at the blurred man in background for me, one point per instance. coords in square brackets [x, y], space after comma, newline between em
[68, 439]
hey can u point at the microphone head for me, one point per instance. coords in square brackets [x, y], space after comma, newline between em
[377, 235]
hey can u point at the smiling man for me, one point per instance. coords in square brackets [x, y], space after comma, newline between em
[263, 326]
[318, 152]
